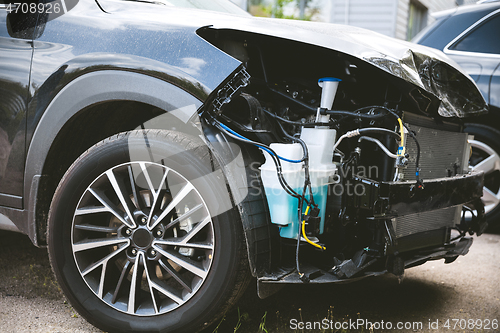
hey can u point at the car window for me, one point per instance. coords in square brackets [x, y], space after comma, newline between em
[426, 31]
[484, 38]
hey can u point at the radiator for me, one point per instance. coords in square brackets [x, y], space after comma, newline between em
[412, 224]
[444, 152]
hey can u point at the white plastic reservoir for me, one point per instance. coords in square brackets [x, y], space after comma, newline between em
[320, 143]
[283, 207]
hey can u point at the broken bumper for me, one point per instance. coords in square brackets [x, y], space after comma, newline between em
[392, 199]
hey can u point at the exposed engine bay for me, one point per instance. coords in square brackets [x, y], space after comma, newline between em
[363, 174]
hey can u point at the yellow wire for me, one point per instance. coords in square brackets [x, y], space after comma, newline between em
[402, 131]
[304, 232]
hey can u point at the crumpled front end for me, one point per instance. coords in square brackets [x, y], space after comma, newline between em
[456, 91]
[360, 149]
[443, 88]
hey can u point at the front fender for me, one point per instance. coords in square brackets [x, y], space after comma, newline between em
[240, 166]
[82, 92]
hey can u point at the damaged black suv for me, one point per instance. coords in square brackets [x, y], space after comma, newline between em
[170, 152]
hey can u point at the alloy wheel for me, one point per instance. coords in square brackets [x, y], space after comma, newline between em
[142, 238]
[484, 158]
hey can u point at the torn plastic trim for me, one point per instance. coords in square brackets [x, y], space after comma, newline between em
[271, 283]
[231, 89]
[459, 248]
[315, 274]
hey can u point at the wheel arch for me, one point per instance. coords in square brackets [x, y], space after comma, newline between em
[94, 102]
[491, 119]
[240, 164]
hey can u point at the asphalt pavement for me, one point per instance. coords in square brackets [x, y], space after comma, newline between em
[466, 292]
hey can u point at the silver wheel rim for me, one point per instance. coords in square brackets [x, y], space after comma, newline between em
[488, 165]
[142, 238]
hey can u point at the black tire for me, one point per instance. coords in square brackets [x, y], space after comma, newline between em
[487, 138]
[226, 270]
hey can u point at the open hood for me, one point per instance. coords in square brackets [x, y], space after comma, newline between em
[424, 67]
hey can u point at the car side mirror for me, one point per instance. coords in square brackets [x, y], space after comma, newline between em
[26, 19]
[22, 20]
[22, 26]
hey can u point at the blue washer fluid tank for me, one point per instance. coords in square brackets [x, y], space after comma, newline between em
[283, 207]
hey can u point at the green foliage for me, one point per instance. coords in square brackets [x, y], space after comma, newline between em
[216, 330]
[262, 326]
[242, 317]
[277, 9]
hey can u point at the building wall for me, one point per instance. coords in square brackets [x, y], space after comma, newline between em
[242, 3]
[402, 19]
[431, 5]
[363, 13]
[388, 17]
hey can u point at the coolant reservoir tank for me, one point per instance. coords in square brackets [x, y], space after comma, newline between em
[320, 143]
[283, 208]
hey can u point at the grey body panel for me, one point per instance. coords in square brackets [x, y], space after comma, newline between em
[494, 95]
[7, 224]
[85, 91]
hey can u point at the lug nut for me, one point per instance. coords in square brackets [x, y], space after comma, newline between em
[128, 231]
[158, 233]
[134, 252]
[143, 220]
[152, 252]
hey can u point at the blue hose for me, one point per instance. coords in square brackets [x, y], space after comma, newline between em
[261, 147]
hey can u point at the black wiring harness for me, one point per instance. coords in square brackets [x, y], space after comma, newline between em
[307, 182]
[357, 113]
[276, 159]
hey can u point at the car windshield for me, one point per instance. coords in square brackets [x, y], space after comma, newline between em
[224, 6]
